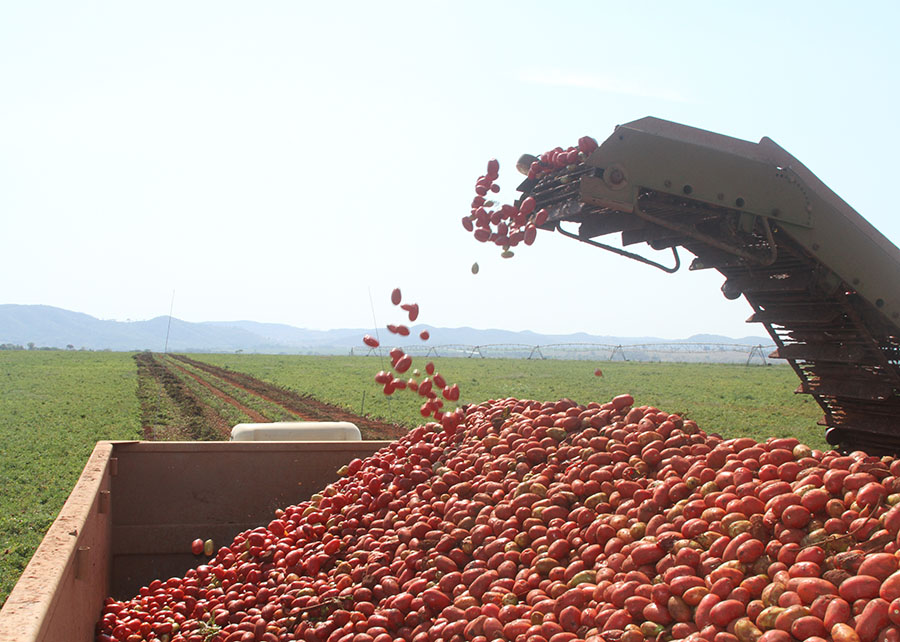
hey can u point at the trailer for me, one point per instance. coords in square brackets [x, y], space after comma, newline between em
[137, 507]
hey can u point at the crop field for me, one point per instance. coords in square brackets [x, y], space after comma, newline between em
[55, 405]
[733, 400]
[185, 398]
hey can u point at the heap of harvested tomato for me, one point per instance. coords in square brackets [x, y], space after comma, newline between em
[551, 522]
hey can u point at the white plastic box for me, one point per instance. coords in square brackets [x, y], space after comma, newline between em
[297, 431]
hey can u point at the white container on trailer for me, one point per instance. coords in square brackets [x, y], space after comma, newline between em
[297, 431]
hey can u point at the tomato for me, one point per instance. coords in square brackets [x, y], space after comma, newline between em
[540, 522]
[370, 341]
[527, 206]
[424, 335]
[396, 296]
[403, 363]
[197, 546]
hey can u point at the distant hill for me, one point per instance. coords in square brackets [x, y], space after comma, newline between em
[50, 327]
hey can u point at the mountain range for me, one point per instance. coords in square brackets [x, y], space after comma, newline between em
[43, 326]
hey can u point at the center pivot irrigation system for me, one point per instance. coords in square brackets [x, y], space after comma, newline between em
[822, 280]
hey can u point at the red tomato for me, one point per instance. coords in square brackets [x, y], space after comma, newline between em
[527, 206]
[424, 335]
[395, 296]
[197, 546]
[403, 364]
[370, 341]
[530, 233]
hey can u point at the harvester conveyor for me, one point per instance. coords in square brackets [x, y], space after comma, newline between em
[822, 280]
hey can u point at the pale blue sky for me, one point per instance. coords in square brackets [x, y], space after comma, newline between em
[276, 161]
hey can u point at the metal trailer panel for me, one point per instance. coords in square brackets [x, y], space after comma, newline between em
[135, 510]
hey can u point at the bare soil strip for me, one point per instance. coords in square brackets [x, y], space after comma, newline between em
[303, 406]
[193, 419]
[224, 396]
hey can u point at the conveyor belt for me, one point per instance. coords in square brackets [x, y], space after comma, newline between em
[821, 280]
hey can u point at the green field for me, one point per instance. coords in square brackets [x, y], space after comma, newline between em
[733, 400]
[55, 405]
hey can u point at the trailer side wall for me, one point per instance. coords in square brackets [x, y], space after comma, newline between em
[136, 509]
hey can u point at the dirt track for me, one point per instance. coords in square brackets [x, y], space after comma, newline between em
[212, 386]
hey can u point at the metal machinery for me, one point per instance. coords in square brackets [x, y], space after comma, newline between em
[821, 279]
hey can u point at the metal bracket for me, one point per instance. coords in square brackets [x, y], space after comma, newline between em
[714, 242]
[621, 252]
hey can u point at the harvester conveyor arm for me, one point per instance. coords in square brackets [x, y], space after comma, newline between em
[821, 279]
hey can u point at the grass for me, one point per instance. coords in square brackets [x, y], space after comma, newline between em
[54, 406]
[733, 400]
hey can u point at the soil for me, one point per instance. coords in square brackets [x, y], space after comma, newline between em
[170, 371]
[176, 413]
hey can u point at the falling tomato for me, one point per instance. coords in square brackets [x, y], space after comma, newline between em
[475, 268]
[395, 296]
[424, 335]
[370, 341]
[403, 363]
[598, 372]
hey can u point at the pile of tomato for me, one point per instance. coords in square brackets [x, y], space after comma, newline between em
[511, 224]
[552, 522]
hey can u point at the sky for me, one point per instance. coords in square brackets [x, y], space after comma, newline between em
[293, 162]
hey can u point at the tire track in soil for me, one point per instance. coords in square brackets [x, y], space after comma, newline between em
[224, 396]
[195, 418]
[305, 407]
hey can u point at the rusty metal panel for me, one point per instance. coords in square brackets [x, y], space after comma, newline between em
[814, 313]
[822, 352]
[852, 389]
[134, 511]
[609, 223]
